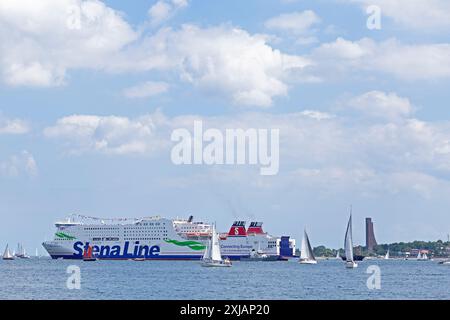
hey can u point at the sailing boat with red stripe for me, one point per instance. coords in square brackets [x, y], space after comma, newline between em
[88, 256]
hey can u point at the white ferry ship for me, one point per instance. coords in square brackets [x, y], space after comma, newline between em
[157, 238]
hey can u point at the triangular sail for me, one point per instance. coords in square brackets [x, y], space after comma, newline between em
[306, 252]
[337, 255]
[387, 255]
[7, 254]
[215, 249]
[207, 253]
[303, 253]
[88, 253]
[349, 241]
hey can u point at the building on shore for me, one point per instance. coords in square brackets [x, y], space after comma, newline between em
[371, 242]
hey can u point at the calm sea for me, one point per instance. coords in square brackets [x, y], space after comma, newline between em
[46, 279]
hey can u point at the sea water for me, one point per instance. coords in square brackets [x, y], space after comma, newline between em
[329, 279]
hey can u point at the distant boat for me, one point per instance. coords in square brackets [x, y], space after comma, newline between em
[21, 253]
[306, 252]
[88, 256]
[422, 257]
[386, 257]
[259, 255]
[348, 245]
[212, 256]
[337, 255]
[139, 259]
[7, 255]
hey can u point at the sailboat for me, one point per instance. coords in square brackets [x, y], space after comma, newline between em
[348, 245]
[386, 257]
[21, 252]
[212, 256]
[422, 257]
[337, 255]
[18, 252]
[88, 256]
[306, 252]
[7, 255]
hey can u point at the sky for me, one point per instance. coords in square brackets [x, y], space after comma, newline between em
[91, 91]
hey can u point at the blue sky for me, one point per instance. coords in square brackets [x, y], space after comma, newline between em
[90, 92]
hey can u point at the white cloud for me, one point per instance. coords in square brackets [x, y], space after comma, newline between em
[19, 164]
[164, 10]
[317, 148]
[318, 115]
[406, 62]
[109, 134]
[41, 40]
[430, 15]
[13, 126]
[382, 105]
[225, 60]
[295, 22]
[146, 89]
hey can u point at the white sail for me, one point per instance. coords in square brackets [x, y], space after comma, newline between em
[424, 256]
[303, 250]
[348, 244]
[419, 255]
[386, 257]
[7, 254]
[215, 248]
[306, 252]
[207, 253]
[337, 255]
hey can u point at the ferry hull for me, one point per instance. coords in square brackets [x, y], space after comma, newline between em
[58, 251]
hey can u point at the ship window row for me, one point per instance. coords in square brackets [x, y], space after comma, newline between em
[142, 239]
[105, 239]
[141, 232]
[101, 228]
[144, 228]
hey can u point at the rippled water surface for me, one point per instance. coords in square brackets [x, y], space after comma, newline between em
[329, 279]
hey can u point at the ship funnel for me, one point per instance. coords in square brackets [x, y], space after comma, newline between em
[190, 218]
[255, 228]
[237, 229]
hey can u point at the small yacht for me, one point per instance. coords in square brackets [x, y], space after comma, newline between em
[21, 253]
[306, 252]
[422, 256]
[348, 244]
[7, 254]
[139, 259]
[259, 255]
[88, 256]
[386, 257]
[212, 256]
